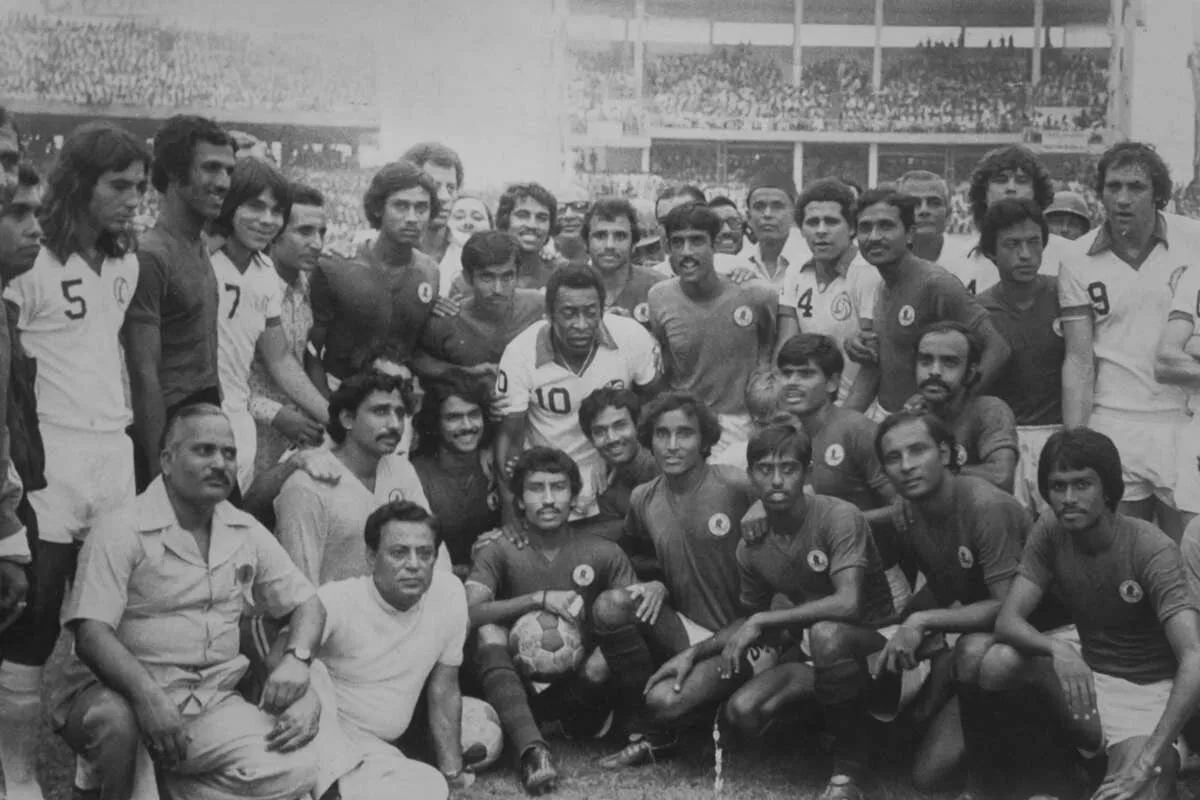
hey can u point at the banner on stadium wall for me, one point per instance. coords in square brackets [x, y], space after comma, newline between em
[1066, 141]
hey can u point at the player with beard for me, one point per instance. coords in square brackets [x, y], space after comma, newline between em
[713, 332]
[1024, 308]
[387, 292]
[494, 312]
[530, 213]
[836, 288]
[320, 522]
[985, 431]
[171, 331]
[256, 209]
[445, 168]
[1115, 292]
[733, 226]
[570, 241]
[609, 418]
[913, 294]
[1131, 678]
[453, 460]
[778, 248]
[611, 232]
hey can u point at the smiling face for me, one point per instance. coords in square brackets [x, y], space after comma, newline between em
[460, 424]
[258, 221]
[209, 177]
[614, 434]
[530, 223]
[468, 215]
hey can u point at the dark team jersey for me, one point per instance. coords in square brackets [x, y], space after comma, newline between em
[467, 340]
[635, 291]
[985, 426]
[844, 462]
[1030, 382]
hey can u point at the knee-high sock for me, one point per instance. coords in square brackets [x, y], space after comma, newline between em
[502, 687]
[629, 658]
[841, 691]
[20, 715]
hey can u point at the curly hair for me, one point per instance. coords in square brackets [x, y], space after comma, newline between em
[392, 178]
[706, 420]
[175, 145]
[1141, 154]
[454, 383]
[520, 191]
[1008, 159]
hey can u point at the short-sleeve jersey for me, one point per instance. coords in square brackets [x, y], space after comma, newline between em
[834, 308]
[635, 291]
[622, 480]
[361, 302]
[979, 274]
[974, 546]
[463, 495]
[695, 539]
[177, 293]
[585, 564]
[248, 300]
[710, 347]
[1185, 305]
[534, 381]
[70, 317]
[925, 294]
[983, 427]
[844, 463]
[1128, 308]
[1030, 382]
[467, 339]
[800, 564]
[1119, 598]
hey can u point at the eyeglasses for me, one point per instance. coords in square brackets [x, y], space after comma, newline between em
[578, 206]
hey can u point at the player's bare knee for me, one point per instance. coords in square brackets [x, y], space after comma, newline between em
[595, 669]
[109, 720]
[829, 641]
[968, 655]
[666, 704]
[744, 712]
[1000, 668]
[613, 609]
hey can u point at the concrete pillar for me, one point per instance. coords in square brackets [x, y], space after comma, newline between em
[877, 58]
[873, 164]
[798, 164]
[639, 51]
[1039, 14]
[797, 53]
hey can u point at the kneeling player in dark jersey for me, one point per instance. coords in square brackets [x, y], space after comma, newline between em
[561, 571]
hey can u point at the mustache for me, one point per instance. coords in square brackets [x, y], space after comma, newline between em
[934, 382]
[221, 476]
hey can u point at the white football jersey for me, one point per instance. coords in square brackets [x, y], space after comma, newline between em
[247, 301]
[977, 272]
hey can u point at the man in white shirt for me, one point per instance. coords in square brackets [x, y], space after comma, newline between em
[779, 248]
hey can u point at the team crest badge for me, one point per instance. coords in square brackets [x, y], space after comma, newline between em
[743, 317]
[817, 561]
[960, 455]
[908, 315]
[121, 292]
[641, 313]
[1131, 592]
[493, 500]
[583, 575]
[841, 307]
[425, 292]
[1056, 326]
[966, 559]
[719, 525]
[834, 454]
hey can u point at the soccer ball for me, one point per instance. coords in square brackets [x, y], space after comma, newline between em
[481, 732]
[545, 646]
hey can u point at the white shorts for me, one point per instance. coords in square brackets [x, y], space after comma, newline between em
[1030, 441]
[1127, 710]
[245, 437]
[1147, 444]
[1187, 467]
[761, 657]
[87, 474]
[735, 434]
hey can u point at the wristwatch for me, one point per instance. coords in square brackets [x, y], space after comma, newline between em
[302, 653]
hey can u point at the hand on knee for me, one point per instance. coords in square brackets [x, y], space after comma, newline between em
[614, 608]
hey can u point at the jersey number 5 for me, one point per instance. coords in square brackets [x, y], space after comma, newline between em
[804, 304]
[78, 309]
[237, 297]
[1098, 294]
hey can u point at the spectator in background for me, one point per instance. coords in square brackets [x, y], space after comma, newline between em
[733, 226]
[1068, 216]
[674, 196]
[529, 212]
[569, 241]
[779, 246]
[10, 147]
[171, 328]
[648, 252]
[468, 215]
[445, 168]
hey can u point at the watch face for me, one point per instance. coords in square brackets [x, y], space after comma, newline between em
[302, 653]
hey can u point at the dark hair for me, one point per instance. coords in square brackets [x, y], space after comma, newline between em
[1008, 159]
[710, 426]
[399, 511]
[487, 249]
[544, 459]
[938, 431]
[352, 393]
[924, 176]
[435, 153]
[175, 146]
[574, 276]
[671, 191]
[305, 195]
[607, 397]
[853, 184]
[1126, 154]
[27, 177]
[818, 348]
[721, 201]
[1004, 214]
[828, 190]
[692, 216]
[453, 383]
[252, 177]
[520, 191]
[610, 209]
[182, 414]
[392, 178]
[782, 435]
[1083, 448]
[89, 152]
[974, 342]
[906, 204]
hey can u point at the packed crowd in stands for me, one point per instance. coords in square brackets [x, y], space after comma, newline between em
[101, 63]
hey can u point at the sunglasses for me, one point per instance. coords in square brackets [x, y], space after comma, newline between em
[578, 206]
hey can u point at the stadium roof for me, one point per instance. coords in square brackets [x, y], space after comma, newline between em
[939, 13]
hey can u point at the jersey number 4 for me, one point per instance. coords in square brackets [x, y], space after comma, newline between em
[556, 400]
[78, 309]
[1098, 294]
[805, 305]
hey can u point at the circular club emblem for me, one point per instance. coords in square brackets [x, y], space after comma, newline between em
[817, 561]
[395, 496]
[121, 291]
[583, 575]
[960, 455]
[425, 292]
[718, 524]
[908, 315]
[641, 313]
[743, 317]
[493, 500]
[966, 559]
[841, 307]
[834, 454]
[1131, 592]
[1056, 326]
